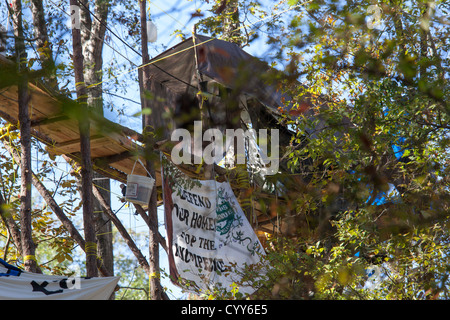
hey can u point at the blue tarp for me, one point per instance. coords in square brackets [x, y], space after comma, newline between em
[12, 270]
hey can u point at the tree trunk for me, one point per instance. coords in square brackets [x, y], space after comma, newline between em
[93, 63]
[43, 43]
[28, 246]
[149, 129]
[85, 149]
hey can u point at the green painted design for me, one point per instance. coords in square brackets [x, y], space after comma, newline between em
[225, 217]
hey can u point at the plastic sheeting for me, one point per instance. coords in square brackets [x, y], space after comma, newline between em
[218, 60]
[16, 284]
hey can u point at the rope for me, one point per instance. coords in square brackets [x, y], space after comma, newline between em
[138, 159]
[90, 248]
[29, 257]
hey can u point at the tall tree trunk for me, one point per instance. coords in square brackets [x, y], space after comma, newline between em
[150, 126]
[43, 43]
[93, 63]
[28, 246]
[85, 149]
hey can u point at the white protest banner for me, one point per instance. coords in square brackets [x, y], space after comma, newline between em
[16, 284]
[207, 231]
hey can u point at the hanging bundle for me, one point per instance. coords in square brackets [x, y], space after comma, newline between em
[139, 188]
[152, 31]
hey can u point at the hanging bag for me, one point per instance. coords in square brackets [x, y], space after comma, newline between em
[139, 188]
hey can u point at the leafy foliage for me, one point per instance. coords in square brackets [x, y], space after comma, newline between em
[370, 145]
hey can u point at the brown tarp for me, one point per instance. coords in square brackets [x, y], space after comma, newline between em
[219, 61]
[230, 66]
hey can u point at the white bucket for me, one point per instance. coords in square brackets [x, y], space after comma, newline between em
[139, 189]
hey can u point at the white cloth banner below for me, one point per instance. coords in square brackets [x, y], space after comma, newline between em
[208, 234]
[16, 284]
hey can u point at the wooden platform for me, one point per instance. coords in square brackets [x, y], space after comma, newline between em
[113, 147]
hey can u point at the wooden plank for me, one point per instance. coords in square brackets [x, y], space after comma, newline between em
[47, 105]
[70, 146]
[126, 166]
[113, 158]
[60, 131]
[46, 121]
